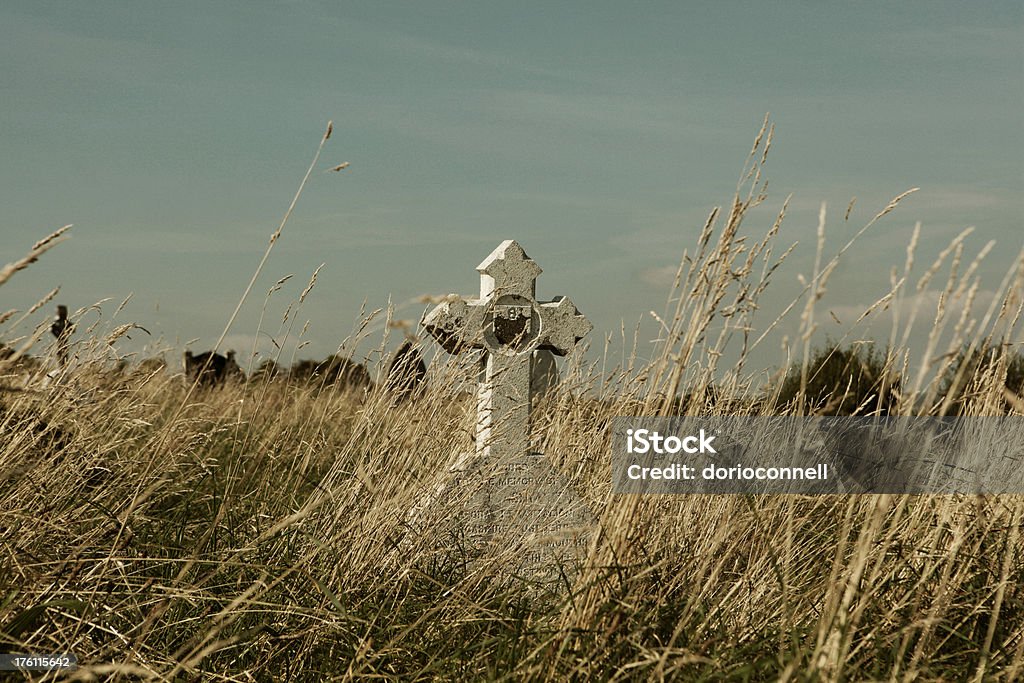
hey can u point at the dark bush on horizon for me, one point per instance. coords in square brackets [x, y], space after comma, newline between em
[332, 371]
[842, 381]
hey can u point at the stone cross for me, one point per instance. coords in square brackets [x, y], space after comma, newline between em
[508, 324]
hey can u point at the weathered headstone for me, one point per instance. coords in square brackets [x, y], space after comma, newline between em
[508, 323]
[509, 494]
[62, 329]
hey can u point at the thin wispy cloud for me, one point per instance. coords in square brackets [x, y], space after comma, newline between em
[672, 118]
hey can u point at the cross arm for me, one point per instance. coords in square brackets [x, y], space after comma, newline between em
[564, 326]
[456, 324]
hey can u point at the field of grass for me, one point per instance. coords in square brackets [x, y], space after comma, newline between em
[259, 531]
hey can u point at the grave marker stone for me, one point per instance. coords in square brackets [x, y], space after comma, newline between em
[62, 329]
[506, 489]
[508, 323]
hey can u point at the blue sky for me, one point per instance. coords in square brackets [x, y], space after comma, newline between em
[598, 134]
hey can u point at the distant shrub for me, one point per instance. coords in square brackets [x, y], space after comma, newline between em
[268, 370]
[971, 375]
[152, 365]
[842, 381]
[24, 363]
[333, 370]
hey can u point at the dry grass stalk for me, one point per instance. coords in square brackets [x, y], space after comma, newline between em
[38, 249]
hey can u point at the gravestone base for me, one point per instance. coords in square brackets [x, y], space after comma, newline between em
[517, 513]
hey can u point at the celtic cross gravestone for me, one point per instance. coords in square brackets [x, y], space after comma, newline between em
[503, 495]
[508, 324]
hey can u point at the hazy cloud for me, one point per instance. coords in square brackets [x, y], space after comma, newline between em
[659, 276]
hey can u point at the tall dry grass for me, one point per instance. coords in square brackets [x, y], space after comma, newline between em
[260, 531]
